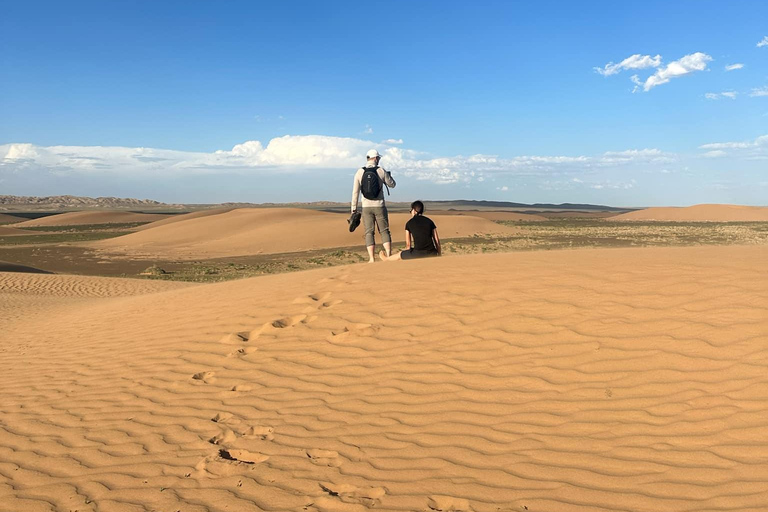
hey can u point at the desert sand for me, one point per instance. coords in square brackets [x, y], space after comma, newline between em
[248, 231]
[183, 217]
[495, 216]
[92, 217]
[9, 219]
[700, 213]
[10, 231]
[6, 266]
[591, 380]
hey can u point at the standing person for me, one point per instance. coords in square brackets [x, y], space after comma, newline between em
[370, 180]
[421, 238]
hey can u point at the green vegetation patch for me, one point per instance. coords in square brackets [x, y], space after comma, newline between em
[57, 238]
[80, 228]
[226, 269]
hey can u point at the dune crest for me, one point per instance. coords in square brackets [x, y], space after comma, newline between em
[247, 231]
[700, 213]
[92, 217]
[562, 381]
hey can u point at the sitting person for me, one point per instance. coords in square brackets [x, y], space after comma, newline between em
[421, 240]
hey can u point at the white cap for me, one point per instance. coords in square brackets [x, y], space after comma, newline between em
[372, 154]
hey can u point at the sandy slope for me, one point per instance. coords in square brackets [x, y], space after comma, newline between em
[508, 216]
[593, 380]
[183, 217]
[700, 212]
[97, 217]
[8, 219]
[6, 266]
[9, 231]
[271, 230]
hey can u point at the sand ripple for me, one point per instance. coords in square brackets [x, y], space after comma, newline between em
[599, 380]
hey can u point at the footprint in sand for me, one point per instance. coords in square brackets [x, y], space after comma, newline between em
[226, 462]
[325, 458]
[313, 299]
[237, 338]
[264, 433]
[242, 352]
[280, 323]
[207, 377]
[224, 417]
[242, 456]
[368, 496]
[448, 504]
[353, 330]
[317, 301]
[225, 437]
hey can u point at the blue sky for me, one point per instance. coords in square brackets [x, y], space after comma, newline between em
[518, 101]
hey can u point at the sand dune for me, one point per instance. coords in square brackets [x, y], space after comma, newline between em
[9, 231]
[9, 219]
[183, 217]
[700, 213]
[26, 295]
[91, 217]
[14, 267]
[594, 380]
[271, 230]
[68, 286]
[495, 216]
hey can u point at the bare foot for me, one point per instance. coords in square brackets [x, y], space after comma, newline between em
[383, 256]
[371, 261]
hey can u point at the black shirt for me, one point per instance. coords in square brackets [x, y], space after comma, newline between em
[421, 228]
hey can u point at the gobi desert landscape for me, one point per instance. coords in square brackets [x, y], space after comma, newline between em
[547, 362]
[306, 256]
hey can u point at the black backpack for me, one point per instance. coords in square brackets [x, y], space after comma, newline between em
[370, 184]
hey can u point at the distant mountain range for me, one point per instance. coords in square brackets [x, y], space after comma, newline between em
[67, 202]
[77, 202]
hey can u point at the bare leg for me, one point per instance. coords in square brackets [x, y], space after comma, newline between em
[388, 248]
[393, 257]
[371, 252]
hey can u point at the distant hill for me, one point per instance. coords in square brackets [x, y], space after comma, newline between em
[506, 204]
[71, 203]
[77, 202]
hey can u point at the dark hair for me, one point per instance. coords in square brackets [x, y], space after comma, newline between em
[418, 206]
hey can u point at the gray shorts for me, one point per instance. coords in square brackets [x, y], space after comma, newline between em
[376, 217]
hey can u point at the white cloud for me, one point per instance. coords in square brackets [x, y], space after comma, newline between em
[293, 154]
[368, 130]
[681, 67]
[761, 91]
[393, 141]
[613, 185]
[503, 189]
[726, 145]
[759, 144]
[732, 67]
[636, 61]
[763, 42]
[715, 154]
[635, 155]
[716, 96]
